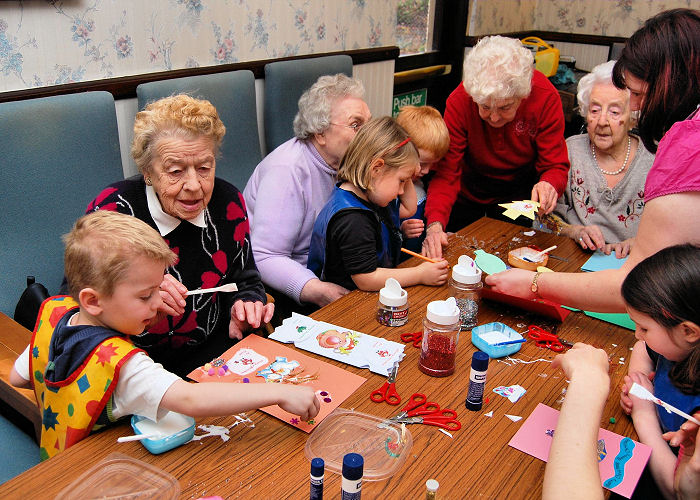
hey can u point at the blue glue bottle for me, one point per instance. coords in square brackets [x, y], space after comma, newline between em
[317, 469]
[353, 465]
[477, 380]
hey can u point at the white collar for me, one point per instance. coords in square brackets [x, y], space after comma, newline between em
[167, 223]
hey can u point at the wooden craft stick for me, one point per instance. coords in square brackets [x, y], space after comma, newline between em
[231, 287]
[414, 254]
[642, 393]
[539, 255]
[137, 437]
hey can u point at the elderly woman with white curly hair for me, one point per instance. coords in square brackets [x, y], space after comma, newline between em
[506, 127]
[604, 198]
[292, 184]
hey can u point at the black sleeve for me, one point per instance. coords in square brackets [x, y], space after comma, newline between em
[250, 286]
[353, 235]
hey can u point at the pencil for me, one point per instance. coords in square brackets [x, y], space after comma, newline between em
[428, 259]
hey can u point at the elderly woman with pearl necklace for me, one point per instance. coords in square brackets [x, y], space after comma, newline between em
[604, 197]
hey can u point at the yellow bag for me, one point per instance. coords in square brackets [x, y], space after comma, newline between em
[546, 57]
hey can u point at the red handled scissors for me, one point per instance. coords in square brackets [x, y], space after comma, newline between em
[387, 392]
[545, 339]
[447, 419]
[415, 337]
[417, 405]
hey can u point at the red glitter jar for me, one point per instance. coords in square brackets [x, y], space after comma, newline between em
[441, 327]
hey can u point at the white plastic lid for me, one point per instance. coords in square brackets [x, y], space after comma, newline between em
[392, 294]
[466, 271]
[443, 312]
[432, 485]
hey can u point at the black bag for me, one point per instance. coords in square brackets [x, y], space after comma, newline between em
[29, 303]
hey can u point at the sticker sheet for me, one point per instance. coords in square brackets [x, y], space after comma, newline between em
[621, 461]
[341, 344]
[255, 360]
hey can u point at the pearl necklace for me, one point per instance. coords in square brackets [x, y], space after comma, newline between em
[624, 164]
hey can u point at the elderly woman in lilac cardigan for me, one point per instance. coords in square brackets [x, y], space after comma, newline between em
[292, 184]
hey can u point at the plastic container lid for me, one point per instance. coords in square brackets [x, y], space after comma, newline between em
[432, 485]
[443, 312]
[466, 271]
[392, 294]
[120, 476]
[384, 448]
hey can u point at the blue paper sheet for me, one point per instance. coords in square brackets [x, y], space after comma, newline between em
[600, 262]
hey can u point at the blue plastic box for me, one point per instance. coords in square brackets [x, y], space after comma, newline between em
[163, 444]
[496, 351]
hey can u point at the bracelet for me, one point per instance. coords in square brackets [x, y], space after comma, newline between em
[534, 287]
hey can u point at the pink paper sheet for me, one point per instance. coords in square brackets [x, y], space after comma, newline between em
[253, 355]
[535, 438]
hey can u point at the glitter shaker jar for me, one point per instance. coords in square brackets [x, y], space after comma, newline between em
[465, 285]
[392, 308]
[440, 335]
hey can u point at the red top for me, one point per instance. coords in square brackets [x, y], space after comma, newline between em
[499, 165]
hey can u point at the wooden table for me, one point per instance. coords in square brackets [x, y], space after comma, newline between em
[268, 461]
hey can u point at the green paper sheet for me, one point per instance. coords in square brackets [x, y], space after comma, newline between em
[619, 319]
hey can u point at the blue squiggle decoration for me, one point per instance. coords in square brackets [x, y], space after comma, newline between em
[625, 454]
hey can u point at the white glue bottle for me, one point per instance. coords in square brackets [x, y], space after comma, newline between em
[353, 465]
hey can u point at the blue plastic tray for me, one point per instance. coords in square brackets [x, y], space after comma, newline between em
[496, 351]
[160, 445]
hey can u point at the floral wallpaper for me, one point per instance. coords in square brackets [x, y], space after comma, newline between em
[591, 17]
[52, 42]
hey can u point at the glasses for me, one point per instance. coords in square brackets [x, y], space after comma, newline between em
[354, 127]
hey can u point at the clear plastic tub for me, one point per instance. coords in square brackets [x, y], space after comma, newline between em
[504, 333]
[121, 477]
[382, 444]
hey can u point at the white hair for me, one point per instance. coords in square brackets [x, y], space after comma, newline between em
[498, 68]
[600, 75]
[314, 115]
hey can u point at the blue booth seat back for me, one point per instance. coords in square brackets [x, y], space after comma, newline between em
[58, 153]
[285, 81]
[233, 96]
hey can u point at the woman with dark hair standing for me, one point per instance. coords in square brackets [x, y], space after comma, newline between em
[660, 65]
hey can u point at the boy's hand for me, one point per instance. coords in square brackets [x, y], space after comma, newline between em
[582, 359]
[300, 400]
[434, 273]
[412, 228]
[625, 400]
[246, 315]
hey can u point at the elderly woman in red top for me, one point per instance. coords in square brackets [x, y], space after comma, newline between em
[507, 143]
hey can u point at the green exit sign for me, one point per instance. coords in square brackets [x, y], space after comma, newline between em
[414, 98]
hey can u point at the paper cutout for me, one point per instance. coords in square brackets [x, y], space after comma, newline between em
[600, 262]
[513, 392]
[489, 263]
[334, 342]
[514, 418]
[619, 319]
[518, 208]
[290, 367]
[529, 233]
[531, 439]
[489, 414]
[445, 432]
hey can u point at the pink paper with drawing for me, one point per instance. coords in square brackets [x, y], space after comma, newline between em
[255, 360]
[620, 459]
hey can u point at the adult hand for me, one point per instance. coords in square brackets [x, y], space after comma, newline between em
[625, 400]
[589, 237]
[246, 315]
[321, 293]
[300, 400]
[546, 195]
[435, 240]
[434, 274]
[516, 282]
[412, 228]
[172, 292]
[582, 360]
[686, 481]
[621, 249]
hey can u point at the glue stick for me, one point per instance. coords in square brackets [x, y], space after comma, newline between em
[477, 380]
[353, 464]
[317, 466]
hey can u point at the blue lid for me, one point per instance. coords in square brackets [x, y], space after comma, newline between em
[317, 466]
[480, 361]
[353, 464]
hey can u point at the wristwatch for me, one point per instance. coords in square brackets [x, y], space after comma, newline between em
[534, 286]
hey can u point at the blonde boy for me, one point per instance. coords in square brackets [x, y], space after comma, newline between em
[429, 133]
[83, 368]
